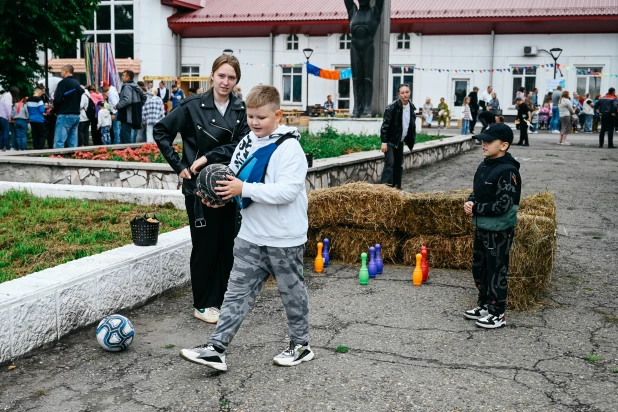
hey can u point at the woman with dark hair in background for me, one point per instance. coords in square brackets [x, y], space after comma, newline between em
[211, 125]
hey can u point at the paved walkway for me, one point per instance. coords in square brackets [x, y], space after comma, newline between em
[410, 348]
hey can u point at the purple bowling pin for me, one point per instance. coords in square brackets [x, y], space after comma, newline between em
[371, 267]
[325, 253]
[379, 261]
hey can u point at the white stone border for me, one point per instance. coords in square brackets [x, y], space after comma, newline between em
[44, 306]
[121, 194]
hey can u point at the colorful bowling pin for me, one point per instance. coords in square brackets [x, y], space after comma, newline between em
[363, 274]
[417, 275]
[325, 254]
[319, 260]
[372, 267]
[379, 261]
[424, 264]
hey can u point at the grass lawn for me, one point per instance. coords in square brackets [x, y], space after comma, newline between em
[329, 143]
[39, 233]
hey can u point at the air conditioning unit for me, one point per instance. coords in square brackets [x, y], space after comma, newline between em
[531, 50]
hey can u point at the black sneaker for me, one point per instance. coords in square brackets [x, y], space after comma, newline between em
[294, 355]
[476, 313]
[491, 321]
[205, 355]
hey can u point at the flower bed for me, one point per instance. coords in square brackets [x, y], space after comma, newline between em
[147, 153]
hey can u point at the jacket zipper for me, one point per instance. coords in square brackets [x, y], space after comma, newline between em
[203, 130]
[227, 130]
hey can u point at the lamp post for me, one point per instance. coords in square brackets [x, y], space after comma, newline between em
[308, 52]
[229, 52]
[551, 53]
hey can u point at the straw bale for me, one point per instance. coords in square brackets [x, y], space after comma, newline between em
[346, 244]
[540, 204]
[442, 251]
[361, 205]
[436, 213]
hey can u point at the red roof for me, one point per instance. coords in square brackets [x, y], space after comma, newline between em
[222, 18]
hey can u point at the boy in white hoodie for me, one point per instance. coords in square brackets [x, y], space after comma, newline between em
[272, 236]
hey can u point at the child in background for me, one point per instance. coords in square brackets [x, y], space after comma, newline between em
[104, 122]
[534, 121]
[466, 116]
[272, 235]
[544, 115]
[493, 206]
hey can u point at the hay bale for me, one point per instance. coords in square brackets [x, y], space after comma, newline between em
[442, 251]
[362, 205]
[346, 244]
[531, 260]
[540, 204]
[436, 213]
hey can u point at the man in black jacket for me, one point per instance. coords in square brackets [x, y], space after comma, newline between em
[474, 107]
[607, 106]
[67, 98]
[399, 126]
[523, 116]
[132, 99]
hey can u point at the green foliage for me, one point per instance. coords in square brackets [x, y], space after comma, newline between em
[330, 143]
[31, 26]
[342, 349]
[37, 233]
[594, 358]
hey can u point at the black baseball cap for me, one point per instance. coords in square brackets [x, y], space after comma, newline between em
[497, 131]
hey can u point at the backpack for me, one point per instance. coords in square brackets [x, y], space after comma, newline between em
[253, 170]
[91, 111]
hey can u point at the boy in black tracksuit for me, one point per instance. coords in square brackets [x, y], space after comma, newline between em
[493, 207]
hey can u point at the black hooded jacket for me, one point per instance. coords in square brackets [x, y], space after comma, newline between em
[497, 190]
[204, 131]
[392, 125]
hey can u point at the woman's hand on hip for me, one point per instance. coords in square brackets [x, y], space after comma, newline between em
[384, 148]
[185, 174]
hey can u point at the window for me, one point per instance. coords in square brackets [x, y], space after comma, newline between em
[403, 41]
[343, 91]
[523, 77]
[292, 84]
[589, 80]
[402, 75]
[191, 71]
[292, 42]
[111, 23]
[345, 42]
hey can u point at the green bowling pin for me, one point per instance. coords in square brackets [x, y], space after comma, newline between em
[363, 274]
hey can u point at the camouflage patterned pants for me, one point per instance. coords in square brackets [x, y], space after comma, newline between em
[490, 267]
[252, 266]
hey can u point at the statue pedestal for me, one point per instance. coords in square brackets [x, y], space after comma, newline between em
[349, 125]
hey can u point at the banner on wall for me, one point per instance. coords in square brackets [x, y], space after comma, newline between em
[552, 84]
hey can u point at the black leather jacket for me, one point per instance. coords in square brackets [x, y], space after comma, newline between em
[392, 125]
[204, 131]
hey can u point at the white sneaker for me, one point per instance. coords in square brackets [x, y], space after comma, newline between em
[208, 315]
[205, 355]
[566, 143]
[476, 313]
[491, 321]
[555, 131]
[294, 355]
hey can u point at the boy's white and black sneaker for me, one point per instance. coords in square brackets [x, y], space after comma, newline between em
[476, 313]
[491, 321]
[206, 355]
[294, 355]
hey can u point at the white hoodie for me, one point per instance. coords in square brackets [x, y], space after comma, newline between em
[278, 215]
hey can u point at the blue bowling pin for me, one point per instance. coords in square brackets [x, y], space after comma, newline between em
[372, 267]
[325, 253]
[379, 261]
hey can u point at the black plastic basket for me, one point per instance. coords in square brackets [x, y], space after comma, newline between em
[145, 233]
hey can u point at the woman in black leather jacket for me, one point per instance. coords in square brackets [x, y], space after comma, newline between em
[211, 125]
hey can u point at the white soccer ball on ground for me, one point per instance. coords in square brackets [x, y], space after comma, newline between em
[115, 333]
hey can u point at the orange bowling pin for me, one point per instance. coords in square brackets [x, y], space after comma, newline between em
[319, 260]
[417, 275]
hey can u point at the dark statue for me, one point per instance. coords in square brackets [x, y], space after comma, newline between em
[364, 23]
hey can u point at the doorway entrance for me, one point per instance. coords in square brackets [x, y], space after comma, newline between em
[460, 91]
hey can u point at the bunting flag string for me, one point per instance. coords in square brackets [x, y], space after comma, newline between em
[100, 64]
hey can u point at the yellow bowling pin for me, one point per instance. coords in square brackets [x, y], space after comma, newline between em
[417, 275]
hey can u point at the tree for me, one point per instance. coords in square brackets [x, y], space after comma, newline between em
[32, 26]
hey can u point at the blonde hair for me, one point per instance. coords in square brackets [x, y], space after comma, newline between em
[263, 95]
[226, 59]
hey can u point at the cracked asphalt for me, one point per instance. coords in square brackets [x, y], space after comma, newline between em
[409, 348]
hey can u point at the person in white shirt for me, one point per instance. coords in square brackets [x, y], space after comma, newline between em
[113, 98]
[486, 97]
[83, 134]
[104, 122]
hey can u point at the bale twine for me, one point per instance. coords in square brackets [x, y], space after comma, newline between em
[361, 205]
[436, 213]
[346, 244]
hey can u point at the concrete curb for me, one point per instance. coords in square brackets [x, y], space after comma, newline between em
[121, 194]
[42, 307]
